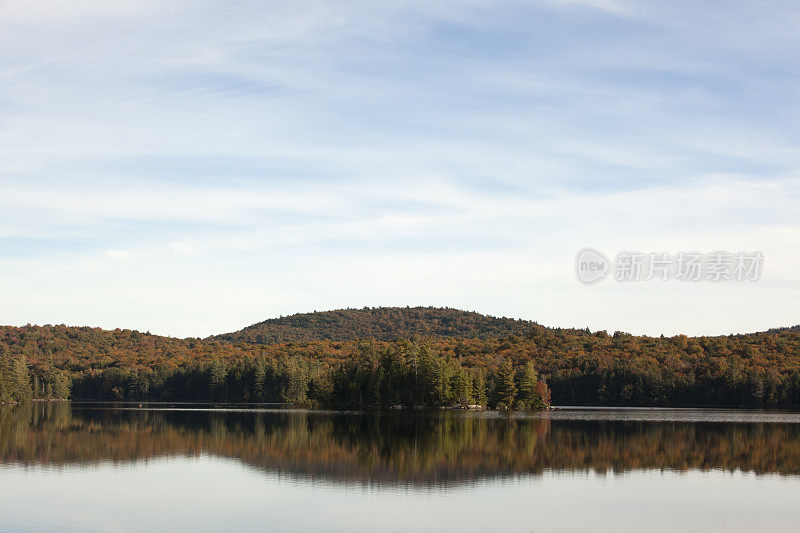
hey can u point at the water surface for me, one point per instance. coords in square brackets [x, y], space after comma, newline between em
[85, 467]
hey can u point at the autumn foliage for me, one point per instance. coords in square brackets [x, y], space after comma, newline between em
[433, 357]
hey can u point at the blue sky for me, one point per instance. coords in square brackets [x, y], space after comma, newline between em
[194, 167]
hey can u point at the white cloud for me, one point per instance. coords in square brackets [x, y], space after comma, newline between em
[118, 255]
[505, 254]
[190, 167]
[184, 248]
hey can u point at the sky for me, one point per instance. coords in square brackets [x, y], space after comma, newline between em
[193, 167]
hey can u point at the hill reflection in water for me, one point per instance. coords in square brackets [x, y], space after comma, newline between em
[420, 448]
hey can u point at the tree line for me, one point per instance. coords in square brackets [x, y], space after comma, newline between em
[399, 374]
[580, 367]
[20, 382]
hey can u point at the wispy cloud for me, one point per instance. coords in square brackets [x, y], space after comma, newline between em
[280, 155]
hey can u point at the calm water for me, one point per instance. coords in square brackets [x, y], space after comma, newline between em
[85, 467]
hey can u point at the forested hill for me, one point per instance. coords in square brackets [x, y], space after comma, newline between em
[380, 323]
[351, 359]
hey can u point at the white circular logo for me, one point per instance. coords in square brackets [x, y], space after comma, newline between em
[591, 266]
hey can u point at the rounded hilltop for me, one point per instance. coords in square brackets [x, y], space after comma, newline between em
[380, 323]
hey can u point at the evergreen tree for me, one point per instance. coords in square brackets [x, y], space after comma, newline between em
[295, 379]
[533, 393]
[5, 395]
[479, 387]
[505, 388]
[462, 386]
[435, 378]
[217, 372]
[5, 375]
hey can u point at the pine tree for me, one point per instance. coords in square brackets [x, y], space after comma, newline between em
[217, 372]
[530, 394]
[461, 386]
[5, 375]
[21, 387]
[435, 379]
[506, 389]
[4, 394]
[295, 389]
[479, 387]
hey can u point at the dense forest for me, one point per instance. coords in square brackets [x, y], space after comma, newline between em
[379, 323]
[434, 358]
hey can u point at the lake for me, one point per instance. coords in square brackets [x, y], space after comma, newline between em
[90, 467]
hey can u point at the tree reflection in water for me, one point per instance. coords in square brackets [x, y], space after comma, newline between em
[419, 447]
